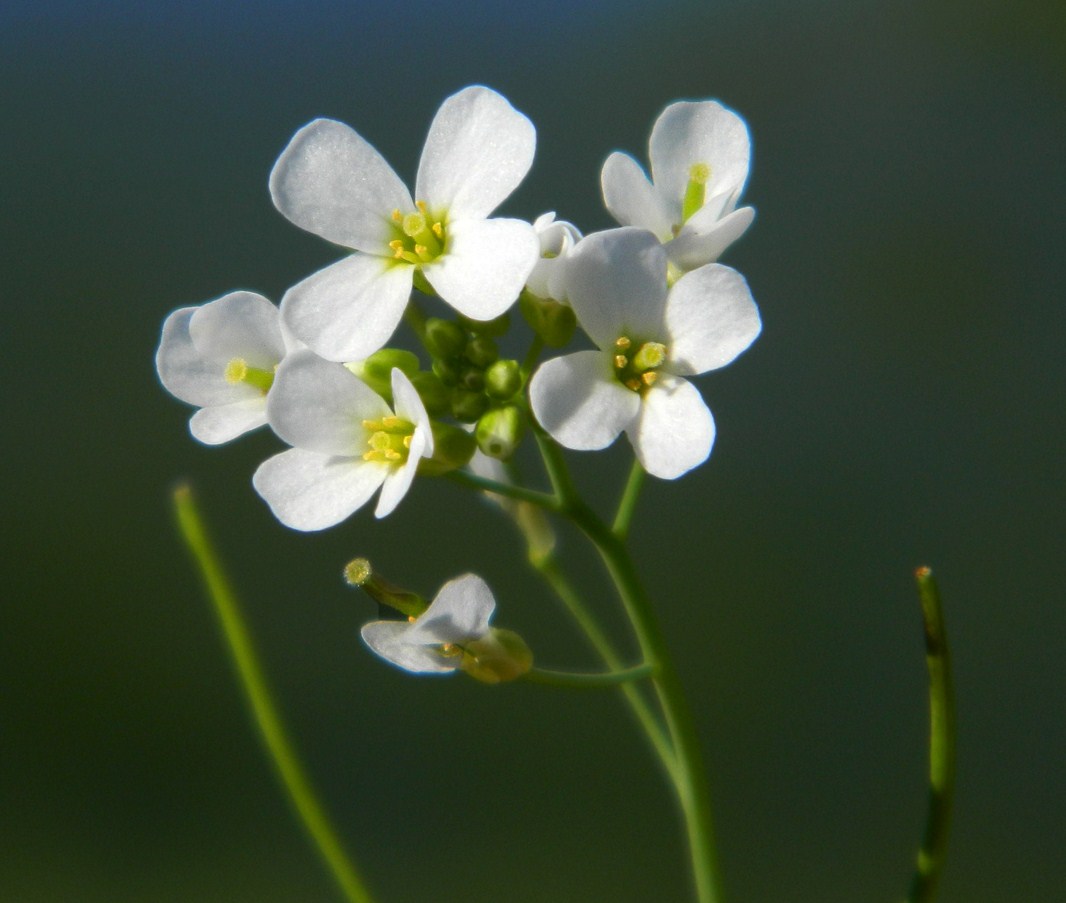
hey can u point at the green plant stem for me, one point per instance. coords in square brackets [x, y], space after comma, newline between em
[518, 493]
[932, 853]
[580, 681]
[257, 694]
[628, 504]
[690, 779]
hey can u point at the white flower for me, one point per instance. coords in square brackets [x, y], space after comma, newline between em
[699, 156]
[557, 239]
[347, 440]
[649, 338]
[221, 357]
[330, 181]
[434, 642]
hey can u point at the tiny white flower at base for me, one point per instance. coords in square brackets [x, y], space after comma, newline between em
[649, 337]
[331, 182]
[452, 634]
[699, 154]
[348, 443]
[221, 357]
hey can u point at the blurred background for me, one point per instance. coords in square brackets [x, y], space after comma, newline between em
[902, 407]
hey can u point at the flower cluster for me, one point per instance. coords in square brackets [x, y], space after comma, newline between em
[362, 415]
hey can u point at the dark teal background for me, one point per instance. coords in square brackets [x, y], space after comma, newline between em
[903, 406]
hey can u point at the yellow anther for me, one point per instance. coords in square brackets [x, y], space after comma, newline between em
[392, 455]
[407, 442]
[374, 425]
[633, 384]
[438, 230]
[397, 217]
[421, 250]
[236, 370]
[620, 361]
[421, 205]
[397, 248]
[622, 342]
[649, 377]
[392, 422]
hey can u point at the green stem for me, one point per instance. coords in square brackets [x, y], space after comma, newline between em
[628, 503]
[257, 694]
[519, 493]
[690, 779]
[416, 319]
[933, 851]
[530, 360]
[580, 681]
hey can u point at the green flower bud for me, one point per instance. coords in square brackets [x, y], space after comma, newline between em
[358, 572]
[499, 431]
[553, 321]
[481, 351]
[497, 657]
[487, 327]
[503, 379]
[446, 371]
[452, 448]
[444, 338]
[376, 370]
[472, 378]
[467, 406]
[434, 394]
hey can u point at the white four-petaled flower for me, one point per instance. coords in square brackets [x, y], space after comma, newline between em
[221, 357]
[347, 440]
[434, 641]
[333, 183]
[649, 337]
[699, 154]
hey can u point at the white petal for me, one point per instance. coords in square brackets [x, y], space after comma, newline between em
[710, 318]
[386, 638]
[702, 132]
[240, 324]
[631, 198]
[320, 406]
[616, 281]
[408, 404]
[579, 402]
[309, 491]
[675, 430]
[187, 374]
[460, 612]
[478, 149]
[215, 425]
[331, 182]
[694, 247]
[485, 266]
[350, 309]
[399, 479]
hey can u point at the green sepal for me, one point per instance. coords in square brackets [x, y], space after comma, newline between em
[453, 448]
[376, 370]
[495, 327]
[497, 657]
[444, 338]
[500, 430]
[552, 320]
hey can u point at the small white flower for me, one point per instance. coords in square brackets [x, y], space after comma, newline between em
[699, 154]
[330, 181]
[649, 338]
[434, 642]
[557, 239]
[347, 440]
[221, 357]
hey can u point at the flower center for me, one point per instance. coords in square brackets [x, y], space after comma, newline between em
[636, 365]
[699, 174]
[389, 441]
[420, 237]
[238, 371]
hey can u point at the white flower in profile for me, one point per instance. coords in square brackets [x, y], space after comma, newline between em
[557, 239]
[221, 357]
[649, 338]
[435, 641]
[332, 182]
[348, 442]
[699, 154]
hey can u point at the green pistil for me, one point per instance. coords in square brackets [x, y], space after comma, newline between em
[420, 238]
[238, 371]
[699, 175]
[389, 441]
[636, 366]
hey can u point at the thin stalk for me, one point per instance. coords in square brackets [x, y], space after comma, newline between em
[544, 500]
[581, 681]
[628, 504]
[933, 851]
[257, 694]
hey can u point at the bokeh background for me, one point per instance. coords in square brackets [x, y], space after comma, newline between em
[903, 406]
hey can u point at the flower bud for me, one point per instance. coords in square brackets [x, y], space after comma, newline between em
[467, 406]
[503, 379]
[376, 370]
[358, 572]
[446, 371]
[495, 327]
[499, 431]
[472, 378]
[497, 657]
[452, 448]
[444, 338]
[553, 321]
[434, 394]
[481, 351]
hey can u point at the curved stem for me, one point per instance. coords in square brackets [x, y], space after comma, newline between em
[628, 503]
[579, 681]
[257, 694]
[941, 743]
[519, 493]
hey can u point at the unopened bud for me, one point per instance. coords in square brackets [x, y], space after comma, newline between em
[553, 321]
[444, 338]
[495, 327]
[358, 572]
[499, 431]
[452, 448]
[503, 379]
[447, 371]
[497, 657]
[481, 351]
[376, 370]
[434, 394]
[467, 406]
